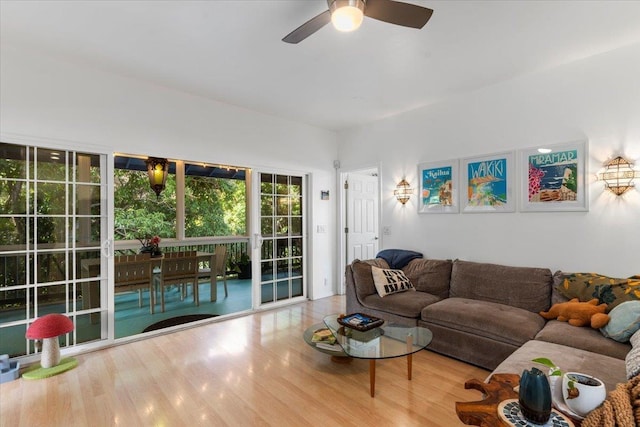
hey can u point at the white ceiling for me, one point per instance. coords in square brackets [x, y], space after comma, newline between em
[231, 51]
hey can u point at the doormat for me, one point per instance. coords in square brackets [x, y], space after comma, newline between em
[179, 320]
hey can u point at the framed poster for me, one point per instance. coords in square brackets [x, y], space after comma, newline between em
[553, 178]
[487, 183]
[438, 187]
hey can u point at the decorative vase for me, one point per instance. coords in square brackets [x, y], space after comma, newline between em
[582, 393]
[534, 396]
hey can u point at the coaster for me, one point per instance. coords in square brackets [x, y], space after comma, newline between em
[509, 412]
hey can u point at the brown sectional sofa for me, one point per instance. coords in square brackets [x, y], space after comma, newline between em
[487, 315]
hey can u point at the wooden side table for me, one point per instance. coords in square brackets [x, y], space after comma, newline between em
[485, 412]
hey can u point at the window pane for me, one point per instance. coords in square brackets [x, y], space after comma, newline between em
[267, 226]
[51, 267]
[13, 197]
[51, 165]
[266, 183]
[295, 188]
[267, 270]
[88, 231]
[87, 264]
[87, 168]
[266, 205]
[296, 288]
[282, 289]
[282, 248]
[52, 295]
[51, 231]
[266, 292]
[12, 233]
[87, 200]
[282, 186]
[296, 226]
[12, 341]
[282, 205]
[88, 328]
[50, 198]
[296, 206]
[13, 303]
[13, 161]
[282, 225]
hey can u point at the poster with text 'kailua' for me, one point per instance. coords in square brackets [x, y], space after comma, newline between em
[437, 186]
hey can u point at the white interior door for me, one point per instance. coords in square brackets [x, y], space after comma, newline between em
[361, 216]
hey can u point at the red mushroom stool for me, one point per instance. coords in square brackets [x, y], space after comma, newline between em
[48, 328]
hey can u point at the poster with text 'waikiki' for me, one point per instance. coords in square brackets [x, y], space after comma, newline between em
[489, 183]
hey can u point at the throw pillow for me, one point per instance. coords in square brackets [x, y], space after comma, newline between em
[632, 362]
[635, 339]
[625, 321]
[608, 290]
[389, 281]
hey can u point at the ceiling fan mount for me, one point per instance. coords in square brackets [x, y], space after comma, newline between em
[347, 15]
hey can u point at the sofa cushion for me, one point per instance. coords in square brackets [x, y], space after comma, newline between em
[523, 287]
[608, 290]
[624, 322]
[500, 322]
[583, 338]
[362, 277]
[389, 281]
[406, 304]
[430, 275]
[608, 369]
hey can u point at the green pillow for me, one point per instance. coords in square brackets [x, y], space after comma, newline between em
[587, 286]
[625, 321]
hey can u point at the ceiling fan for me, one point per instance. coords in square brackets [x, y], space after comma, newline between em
[347, 15]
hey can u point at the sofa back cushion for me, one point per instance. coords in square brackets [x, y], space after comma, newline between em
[363, 278]
[525, 287]
[430, 275]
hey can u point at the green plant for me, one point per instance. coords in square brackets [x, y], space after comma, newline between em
[554, 371]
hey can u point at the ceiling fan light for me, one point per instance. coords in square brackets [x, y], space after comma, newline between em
[347, 17]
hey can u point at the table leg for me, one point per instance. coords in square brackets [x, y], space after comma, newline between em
[372, 376]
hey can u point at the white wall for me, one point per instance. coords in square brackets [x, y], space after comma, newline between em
[595, 99]
[46, 97]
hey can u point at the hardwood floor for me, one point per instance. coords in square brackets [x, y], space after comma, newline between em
[249, 371]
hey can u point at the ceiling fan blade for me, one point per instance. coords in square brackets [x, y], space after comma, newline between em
[308, 28]
[405, 14]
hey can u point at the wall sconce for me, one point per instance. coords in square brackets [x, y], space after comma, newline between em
[618, 176]
[157, 169]
[403, 191]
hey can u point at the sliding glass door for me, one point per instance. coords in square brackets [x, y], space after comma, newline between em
[53, 220]
[281, 240]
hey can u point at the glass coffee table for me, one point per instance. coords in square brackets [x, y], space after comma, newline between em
[384, 342]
